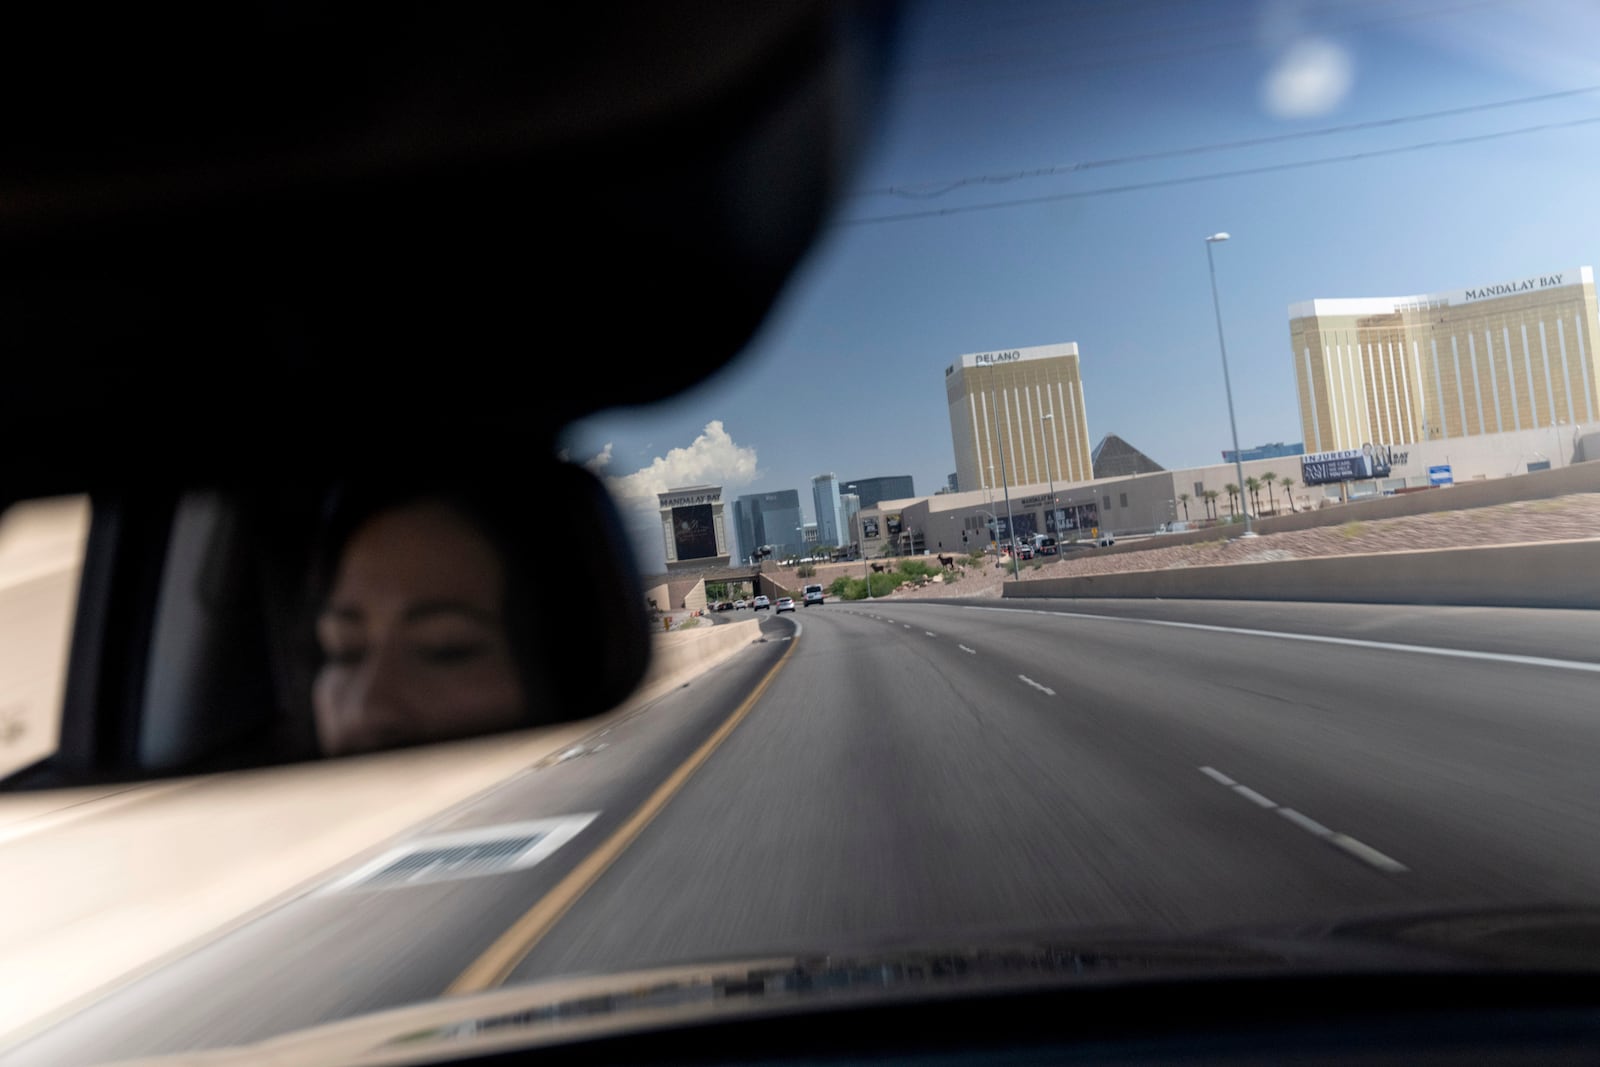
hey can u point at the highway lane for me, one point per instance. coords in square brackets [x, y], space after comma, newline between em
[925, 772]
[1564, 634]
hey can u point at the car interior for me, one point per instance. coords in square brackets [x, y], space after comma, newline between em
[256, 255]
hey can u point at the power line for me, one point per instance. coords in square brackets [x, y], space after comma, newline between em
[1194, 179]
[931, 189]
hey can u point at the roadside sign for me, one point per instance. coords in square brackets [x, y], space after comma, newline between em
[1441, 475]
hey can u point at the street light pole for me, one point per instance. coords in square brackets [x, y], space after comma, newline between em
[866, 565]
[1054, 523]
[1227, 383]
[1005, 484]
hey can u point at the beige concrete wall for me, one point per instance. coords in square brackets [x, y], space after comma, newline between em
[1556, 574]
[682, 654]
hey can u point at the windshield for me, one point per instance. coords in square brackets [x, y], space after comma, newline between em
[1274, 323]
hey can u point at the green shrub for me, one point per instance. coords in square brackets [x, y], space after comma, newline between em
[805, 570]
[840, 584]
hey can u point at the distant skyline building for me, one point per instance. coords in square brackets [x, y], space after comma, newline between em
[1276, 450]
[888, 487]
[1018, 416]
[849, 508]
[767, 519]
[825, 496]
[953, 482]
[1509, 356]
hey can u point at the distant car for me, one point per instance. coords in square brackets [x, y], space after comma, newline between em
[726, 605]
[785, 603]
[1024, 551]
[1105, 540]
[812, 594]
[739, 605]
[761, 602]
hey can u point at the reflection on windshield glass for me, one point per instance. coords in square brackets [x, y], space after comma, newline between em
[414, 634]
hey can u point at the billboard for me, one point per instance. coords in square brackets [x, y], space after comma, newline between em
[1348, 465]
[869, 526]
[893, 522]
[693, 532]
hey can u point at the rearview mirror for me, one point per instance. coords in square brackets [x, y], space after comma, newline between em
[226, 626]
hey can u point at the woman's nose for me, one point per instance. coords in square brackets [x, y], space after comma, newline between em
[379, 712]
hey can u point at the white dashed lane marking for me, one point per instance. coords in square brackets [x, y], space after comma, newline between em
[1046, 690]
[970, 651]
[1361, 851]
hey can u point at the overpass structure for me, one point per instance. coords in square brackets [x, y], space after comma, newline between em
[685, 589]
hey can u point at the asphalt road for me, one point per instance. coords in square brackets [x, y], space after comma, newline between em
[928, 773]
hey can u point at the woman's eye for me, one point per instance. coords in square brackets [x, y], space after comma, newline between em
[454, 652]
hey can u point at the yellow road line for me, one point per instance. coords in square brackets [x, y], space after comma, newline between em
[497, 962]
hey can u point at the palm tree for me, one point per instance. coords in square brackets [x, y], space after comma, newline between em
[1288, 485]
[1184, 498]
[1211, 502]
[1269, 478]
[1232, 491]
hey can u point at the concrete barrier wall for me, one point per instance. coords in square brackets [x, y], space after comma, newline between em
[1555, 574]
[1540, 485]
[678, 656]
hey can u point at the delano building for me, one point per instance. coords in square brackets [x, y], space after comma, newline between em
[1513, 355]
[1021, 411]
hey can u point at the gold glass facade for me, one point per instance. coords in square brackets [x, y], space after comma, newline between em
[1396, 370]
[1020, 411]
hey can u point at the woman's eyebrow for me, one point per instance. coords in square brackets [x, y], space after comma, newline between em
[426, 609]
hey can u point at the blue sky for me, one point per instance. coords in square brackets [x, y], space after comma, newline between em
[847, 374]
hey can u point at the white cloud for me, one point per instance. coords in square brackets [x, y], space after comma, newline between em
[600, 460]
[1312, 77]
[711, 459]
